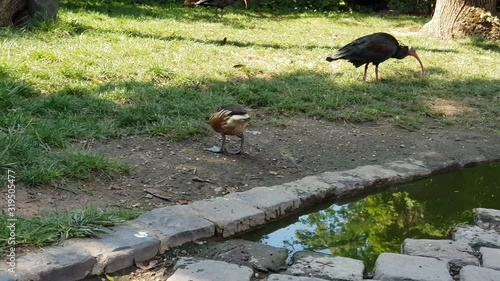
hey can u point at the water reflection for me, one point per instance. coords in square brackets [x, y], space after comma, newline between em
[378, 223]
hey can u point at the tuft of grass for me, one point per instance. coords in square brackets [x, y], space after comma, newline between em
[57, 227]
[108, 69]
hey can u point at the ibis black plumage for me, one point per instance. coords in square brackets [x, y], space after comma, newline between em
[374, 48]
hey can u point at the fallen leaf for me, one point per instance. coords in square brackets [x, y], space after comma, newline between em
[151, 264]
[114, 187]
[110, 278]
[183, 201]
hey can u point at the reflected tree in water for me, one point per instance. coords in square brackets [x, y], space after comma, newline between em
[378, 223]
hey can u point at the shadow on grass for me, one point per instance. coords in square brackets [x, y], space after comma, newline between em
[485, 44]
[41, 130]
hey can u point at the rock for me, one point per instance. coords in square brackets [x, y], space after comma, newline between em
[246, 253]
[230, 216]
[309, 190]
[360, 180]
[55, 264]
[456, 253]
[491, 258]
[325, 266]
[410, 268]
[274, 202]
[120, 249]
[477, 237]
[488, 219]
[45, 8]
[176, 225]
[5, 276]
[281, 277]
[408, 169]
[476, 273]
[189, 269]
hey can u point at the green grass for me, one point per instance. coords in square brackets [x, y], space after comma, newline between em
[58, 227]
[108, 69]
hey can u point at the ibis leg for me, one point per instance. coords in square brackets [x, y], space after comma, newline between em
[376, 73]
[366, 69]
[216, 149]
[237, 151]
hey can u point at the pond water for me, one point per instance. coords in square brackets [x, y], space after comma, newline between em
[365, 227]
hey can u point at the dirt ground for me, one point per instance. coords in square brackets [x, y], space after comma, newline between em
[275, 152]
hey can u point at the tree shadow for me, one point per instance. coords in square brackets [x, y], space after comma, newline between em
[484, 44]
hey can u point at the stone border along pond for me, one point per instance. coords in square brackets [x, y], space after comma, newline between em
[162, 229]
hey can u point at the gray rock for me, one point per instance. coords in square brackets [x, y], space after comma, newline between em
[437, 162]
[389, 267]
[325, 266]
[476, 273]
[119, 249]
[188, 269]
[176, 225]
[488, 219]
[456, 253]
[360, 180]
[45, 8]
[281, 277]
[477, 237]
[408, 169]
[309, 190]
[246, 253]
[55, 264]
[230, 216]
[273, 202]
[491, 257]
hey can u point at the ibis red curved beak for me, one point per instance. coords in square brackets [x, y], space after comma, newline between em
[421, 65]
[413, 53]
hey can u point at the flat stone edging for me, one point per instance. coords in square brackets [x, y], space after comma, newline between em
[162, 229]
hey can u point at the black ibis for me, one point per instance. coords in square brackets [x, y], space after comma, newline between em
[231, 120]
[374, 48]
[218, 4]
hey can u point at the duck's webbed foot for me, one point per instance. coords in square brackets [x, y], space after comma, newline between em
[214, 149]
[233, 151]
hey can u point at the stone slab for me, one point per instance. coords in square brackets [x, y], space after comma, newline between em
[275, 203]
[491, 257]
[119, 249]
[55, 264]
[325, 266]
[476, 273]
[359, 180]
[176, 225]
[477, 237]
[309, 190]
[410, 268]
[282, 277]
[456, 253]
[230, 216]
[408, 169]
[246, 253]
[188, 269]
[488, 219]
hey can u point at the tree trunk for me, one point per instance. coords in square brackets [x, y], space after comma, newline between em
[460, 18]
[10, 10]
